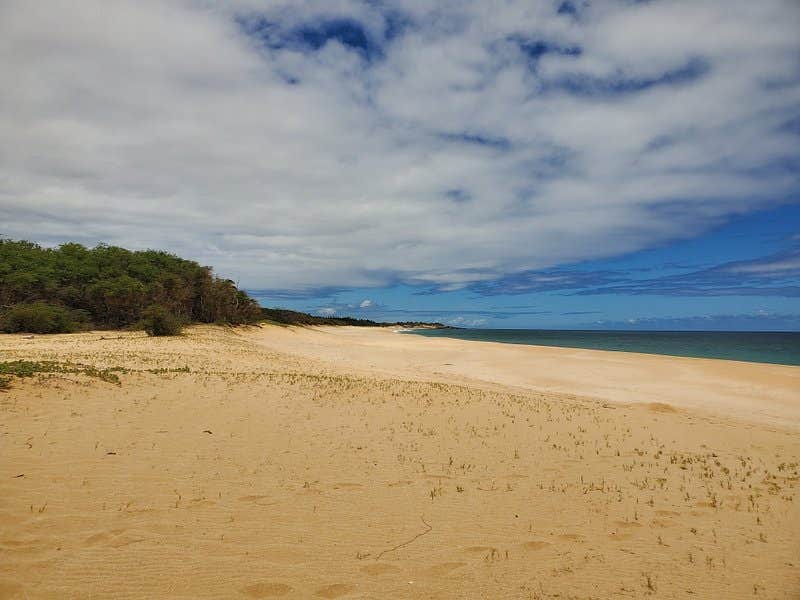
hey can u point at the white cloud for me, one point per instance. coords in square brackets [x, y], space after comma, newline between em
[326, 311]
[789, 265]
[161, 124]
[465, 322]
[367, 303]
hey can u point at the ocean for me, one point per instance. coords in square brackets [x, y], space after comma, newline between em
[763, 347]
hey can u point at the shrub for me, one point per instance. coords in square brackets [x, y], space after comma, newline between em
[113, 284]
[159, 321]
[41, 317]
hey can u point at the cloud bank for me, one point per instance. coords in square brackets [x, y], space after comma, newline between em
[307, 145]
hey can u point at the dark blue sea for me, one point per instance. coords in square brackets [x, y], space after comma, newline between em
[764, 347]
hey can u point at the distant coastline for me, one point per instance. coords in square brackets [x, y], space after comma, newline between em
[282, 316]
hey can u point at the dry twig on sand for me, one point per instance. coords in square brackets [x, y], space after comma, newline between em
[414, 539]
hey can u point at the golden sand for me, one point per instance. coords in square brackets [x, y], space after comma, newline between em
[359, 463]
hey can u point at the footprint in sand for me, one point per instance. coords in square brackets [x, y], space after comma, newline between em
[444, 568]
[668, 513]
[571, 537]
[335, 590]
[662, 523]
[267, 590]
[379, 569]
[535, 545]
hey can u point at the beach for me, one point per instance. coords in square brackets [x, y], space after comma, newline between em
[345, 462]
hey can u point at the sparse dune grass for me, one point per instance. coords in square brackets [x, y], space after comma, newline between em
[228, 463]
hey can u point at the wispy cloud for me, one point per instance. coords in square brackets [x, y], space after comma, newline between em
[465, 322]
[774, 275]
[548, 280]
[304, 146]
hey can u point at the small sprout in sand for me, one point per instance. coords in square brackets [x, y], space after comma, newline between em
[649, 582]
[436, 491]
[41, 509]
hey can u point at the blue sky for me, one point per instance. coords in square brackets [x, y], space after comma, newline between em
[604, 163]
[743, 275]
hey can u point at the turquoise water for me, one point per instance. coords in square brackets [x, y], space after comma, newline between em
[764, 347]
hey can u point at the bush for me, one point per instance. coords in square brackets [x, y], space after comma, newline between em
[40, 317]
[113, 284]
[159, 321]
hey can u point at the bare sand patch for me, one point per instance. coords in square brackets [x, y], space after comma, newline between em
[355, 463]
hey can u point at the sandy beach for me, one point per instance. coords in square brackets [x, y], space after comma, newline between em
[363, 463]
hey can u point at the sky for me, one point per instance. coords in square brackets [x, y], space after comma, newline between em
[539, 163]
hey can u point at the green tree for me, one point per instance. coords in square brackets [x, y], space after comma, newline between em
[113, 286]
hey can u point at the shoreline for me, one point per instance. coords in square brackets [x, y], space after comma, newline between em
[346, 463]
[765, 393]
[624, 333]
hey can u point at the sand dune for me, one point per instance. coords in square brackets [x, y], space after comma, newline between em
[349, 463]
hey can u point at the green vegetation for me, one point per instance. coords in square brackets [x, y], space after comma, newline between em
[291, 317]
[158, 321]
[29, 368]
[40, 317]
[71, 287]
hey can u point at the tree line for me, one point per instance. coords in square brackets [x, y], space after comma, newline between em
[291, 317]
[73, 287]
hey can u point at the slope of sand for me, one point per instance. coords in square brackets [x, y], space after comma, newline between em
[348, 463]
